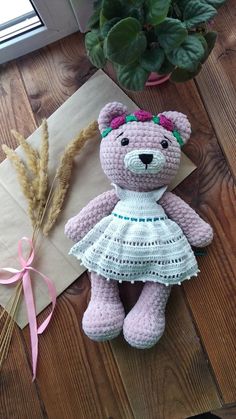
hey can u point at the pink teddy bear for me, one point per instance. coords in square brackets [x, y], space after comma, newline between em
[137, 231]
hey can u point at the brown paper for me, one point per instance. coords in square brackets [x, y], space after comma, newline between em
[88, 181]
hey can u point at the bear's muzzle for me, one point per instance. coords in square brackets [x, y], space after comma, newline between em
[144, 161]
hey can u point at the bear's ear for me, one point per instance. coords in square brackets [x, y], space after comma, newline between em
[181, 123]
[109, 112]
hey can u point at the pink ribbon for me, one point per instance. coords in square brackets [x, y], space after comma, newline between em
[24, 275]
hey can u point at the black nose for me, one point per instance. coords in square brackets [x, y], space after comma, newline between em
[146, 158]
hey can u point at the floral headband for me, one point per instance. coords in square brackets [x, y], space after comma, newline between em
[141, 116]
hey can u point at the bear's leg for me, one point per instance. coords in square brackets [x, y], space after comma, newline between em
[104, 317]
[145, 323]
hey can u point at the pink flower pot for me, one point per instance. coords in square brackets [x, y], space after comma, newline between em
[154, 79]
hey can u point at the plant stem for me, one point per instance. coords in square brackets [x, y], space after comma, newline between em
[8, 327]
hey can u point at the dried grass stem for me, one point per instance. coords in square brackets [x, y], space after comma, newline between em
[33, 180]
[63, 174]
[23, 179]
[32, 155]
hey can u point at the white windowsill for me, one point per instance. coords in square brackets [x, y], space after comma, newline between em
[37, 38]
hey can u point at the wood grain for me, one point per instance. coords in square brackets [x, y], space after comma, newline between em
[52, 74]
[19, 397]
[15, 111]
[172, 379]
[227, 413]
[84, 374]
[217, 83]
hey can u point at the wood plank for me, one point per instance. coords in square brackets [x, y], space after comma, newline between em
[19, 397]
[15, 110]
[211, 191]
[217, 83]
[83, 372]
[172, 379]
[226, 413]
[52, 74]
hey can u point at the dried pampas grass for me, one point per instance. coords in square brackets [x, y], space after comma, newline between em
[32, 175]
[32, 155]
[23, 179]
[63, 174]
[43, 163]
[42, 201]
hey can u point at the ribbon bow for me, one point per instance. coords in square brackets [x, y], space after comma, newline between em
[24, 275]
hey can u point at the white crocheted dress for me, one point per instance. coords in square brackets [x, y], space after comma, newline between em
[137, 242]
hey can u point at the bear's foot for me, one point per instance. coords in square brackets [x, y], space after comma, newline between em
[145, 323]
[103, 321]
[104, 317]
[143, 331]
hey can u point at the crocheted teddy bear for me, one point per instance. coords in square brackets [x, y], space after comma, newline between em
[137, 231]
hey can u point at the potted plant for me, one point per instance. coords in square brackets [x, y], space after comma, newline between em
[169, 37]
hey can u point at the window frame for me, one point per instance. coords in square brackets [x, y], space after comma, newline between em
[59, 21]
[83, 9]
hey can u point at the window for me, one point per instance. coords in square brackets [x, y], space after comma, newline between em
[26, 25]
[17, 18]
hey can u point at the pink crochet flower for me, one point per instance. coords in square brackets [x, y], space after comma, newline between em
[166, 123]
[143, 115]
[117, 122]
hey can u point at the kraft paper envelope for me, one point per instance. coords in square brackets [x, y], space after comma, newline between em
[88, 181]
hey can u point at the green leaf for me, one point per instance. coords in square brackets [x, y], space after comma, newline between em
[188, 55]
[137, 3]
[108, 25]
[210, 38]
[93, 21]
[171, 33]
[180, 75]
[166, 67]
[157, 11]
[182, 4]
[205, 46]
[197, 12]
[102, 20]
[137, 13]
[94, 47]
[97, 3]
[152, 59]
[122, 9]
[208, 42]
[214, 3]
[132, 76]
[125, 41]
[111, 9]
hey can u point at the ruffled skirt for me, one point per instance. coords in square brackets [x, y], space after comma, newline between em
[134, 251]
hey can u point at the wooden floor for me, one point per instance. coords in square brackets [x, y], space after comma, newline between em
[193, 368]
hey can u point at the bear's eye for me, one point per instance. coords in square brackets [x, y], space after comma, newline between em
[124, 141]
[164, 144]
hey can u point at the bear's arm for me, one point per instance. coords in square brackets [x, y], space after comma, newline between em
[198, 232]
[77, 227]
